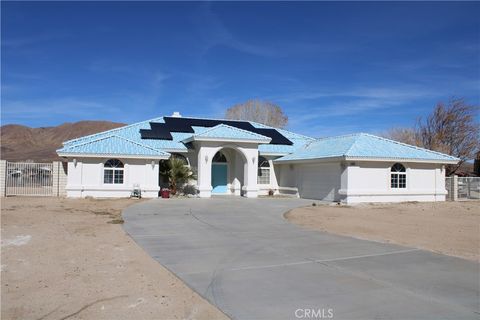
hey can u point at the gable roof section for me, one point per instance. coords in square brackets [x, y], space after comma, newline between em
[365, 146]
[226, 132]
[112, 145]
[116, 131]
[132, 132]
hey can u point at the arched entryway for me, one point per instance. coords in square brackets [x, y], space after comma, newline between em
[238, 162]
[219, 173]
[228, 167]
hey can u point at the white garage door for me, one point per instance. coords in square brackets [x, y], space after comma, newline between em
[319, 181]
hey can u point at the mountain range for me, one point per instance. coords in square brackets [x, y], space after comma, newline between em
[21, 143]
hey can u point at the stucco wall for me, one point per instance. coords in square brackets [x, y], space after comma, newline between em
[286, 175]
[85, 178]
[370, 182]
[320, 181]
[367, 181]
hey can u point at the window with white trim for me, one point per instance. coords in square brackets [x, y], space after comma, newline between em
[398, 176]
[113, 172]
[263, 171]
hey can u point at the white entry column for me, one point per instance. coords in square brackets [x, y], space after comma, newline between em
[204, 167]
[251, 172]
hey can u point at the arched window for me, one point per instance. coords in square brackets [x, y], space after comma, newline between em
[263, 171]
[398, 176]
[113, 172]
[219, 157]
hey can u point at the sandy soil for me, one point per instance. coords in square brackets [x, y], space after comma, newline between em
[451, 228]
[65, 259]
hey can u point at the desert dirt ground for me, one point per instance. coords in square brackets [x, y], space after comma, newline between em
[71, 259]
[451, 228]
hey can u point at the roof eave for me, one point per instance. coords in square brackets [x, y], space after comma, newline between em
[373, 159]
[276, 154]
[378, 159]
[310, 160]
[118, 155]
[257, 141]
[170, 150]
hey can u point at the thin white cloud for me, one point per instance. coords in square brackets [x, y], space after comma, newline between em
[202, 84]
[103, 66]
[337, 109]
[350, 102]
[41, 108]
[147, 96]
[25, 76]
[397, 93]
[159, 78]
[8, 88]
[106, 106]
[31, 40]
[214, 33]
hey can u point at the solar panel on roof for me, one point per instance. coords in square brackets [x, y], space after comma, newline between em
[162, 131]
[156, 131]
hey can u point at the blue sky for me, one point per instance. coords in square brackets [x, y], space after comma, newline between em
[334, 67]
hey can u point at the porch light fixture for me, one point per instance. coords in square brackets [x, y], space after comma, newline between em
[253, 160]
[206, 158]
[75, 162]
[153, 164]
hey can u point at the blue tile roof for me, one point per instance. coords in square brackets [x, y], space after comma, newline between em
[363, 145]
[111, 145]
[223, 131]
[127, 140]
[132, 133]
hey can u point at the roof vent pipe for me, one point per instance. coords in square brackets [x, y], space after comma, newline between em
[176, 114]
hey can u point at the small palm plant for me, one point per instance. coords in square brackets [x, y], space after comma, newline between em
[177, 172]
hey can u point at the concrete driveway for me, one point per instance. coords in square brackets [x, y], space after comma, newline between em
[243, 257]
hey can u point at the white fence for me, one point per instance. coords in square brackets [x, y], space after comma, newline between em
[462, 188]
[29, 179]
[32, 179]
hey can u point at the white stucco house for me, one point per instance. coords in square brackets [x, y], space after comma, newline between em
[242, 158]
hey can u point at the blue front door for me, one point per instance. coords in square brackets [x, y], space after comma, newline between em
[219, 178]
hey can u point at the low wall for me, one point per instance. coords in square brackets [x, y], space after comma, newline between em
[3, 173]
[59, 178]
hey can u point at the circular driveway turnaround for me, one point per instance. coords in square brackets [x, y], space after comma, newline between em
[245, 258]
